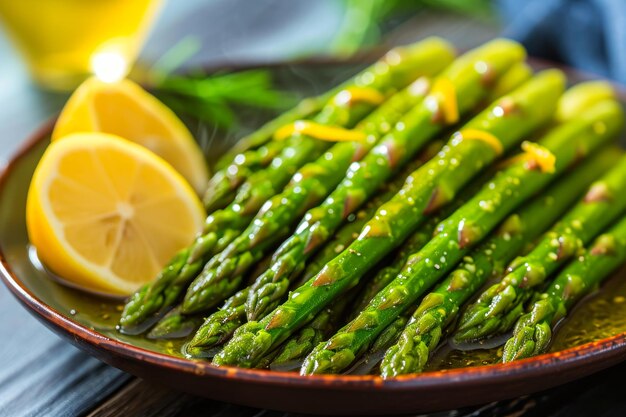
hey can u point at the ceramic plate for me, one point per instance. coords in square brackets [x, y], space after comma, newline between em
[89, 322]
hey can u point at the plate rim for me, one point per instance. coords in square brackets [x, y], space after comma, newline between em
[608, 350]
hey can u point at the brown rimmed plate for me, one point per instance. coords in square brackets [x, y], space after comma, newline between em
[89, 322]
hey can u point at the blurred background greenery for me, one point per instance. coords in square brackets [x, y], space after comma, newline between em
[347, 28]
[365, 21]
[193, 44]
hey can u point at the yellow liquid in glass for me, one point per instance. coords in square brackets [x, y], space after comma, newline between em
[62, 40]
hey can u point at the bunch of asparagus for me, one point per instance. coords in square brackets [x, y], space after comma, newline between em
[361, 222]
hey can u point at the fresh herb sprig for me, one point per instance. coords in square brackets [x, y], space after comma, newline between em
[215, 98]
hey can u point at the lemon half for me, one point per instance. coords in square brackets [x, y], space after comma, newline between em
[125, 109]
[108, 214]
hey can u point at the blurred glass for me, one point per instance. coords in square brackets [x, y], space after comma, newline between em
[65, 41]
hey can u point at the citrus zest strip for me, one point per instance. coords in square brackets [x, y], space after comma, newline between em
[483, 136]
[318, 131]
[540, 155]
[445, 92]
[352, 95]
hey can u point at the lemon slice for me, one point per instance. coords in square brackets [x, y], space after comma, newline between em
[107, 214]
[124, 108]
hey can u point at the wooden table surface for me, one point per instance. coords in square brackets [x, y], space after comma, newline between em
[42, 375]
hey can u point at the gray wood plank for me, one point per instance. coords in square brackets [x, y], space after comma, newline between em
[41, 375]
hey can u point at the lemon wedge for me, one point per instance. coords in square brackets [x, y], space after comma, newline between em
[125, 109]
[107, 214]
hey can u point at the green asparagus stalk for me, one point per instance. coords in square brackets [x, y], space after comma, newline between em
[415, 242]
[581, 97]
[426, 190]
[308, 186]
[355, 222]
[388, 273]
[440, 306]
[305, 109]
[302, 343]
[439, 48]
[290, 355]
[463, 229]
[222, 188]
[533, 331]
[395, 71]
[347, 233]
[517, 75]
[498, 307]
[175, 325]
[220, 326]
[429, 56]
[298, 346]
[391, 333]
[465, 79]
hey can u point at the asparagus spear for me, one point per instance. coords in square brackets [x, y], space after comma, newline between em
[219, 326]
[429, 56]
[498, 307]
[387, 274]
[305, 109]
[517, 75]
[395, 71]
[440, 49]
[390, 334]
[440, 306]
[215, 330]
[533, 330]
[581, 97]
[175, 325]
[355, 222]
[426, 190]
[458, 233]
[363, 178]
[299, 345]
[347, 233]
[307, 187]
[222, 187]
[413, 244]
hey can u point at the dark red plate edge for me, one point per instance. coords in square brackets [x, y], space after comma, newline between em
[608, 350]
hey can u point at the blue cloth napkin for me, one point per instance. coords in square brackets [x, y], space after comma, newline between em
[586, 34]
